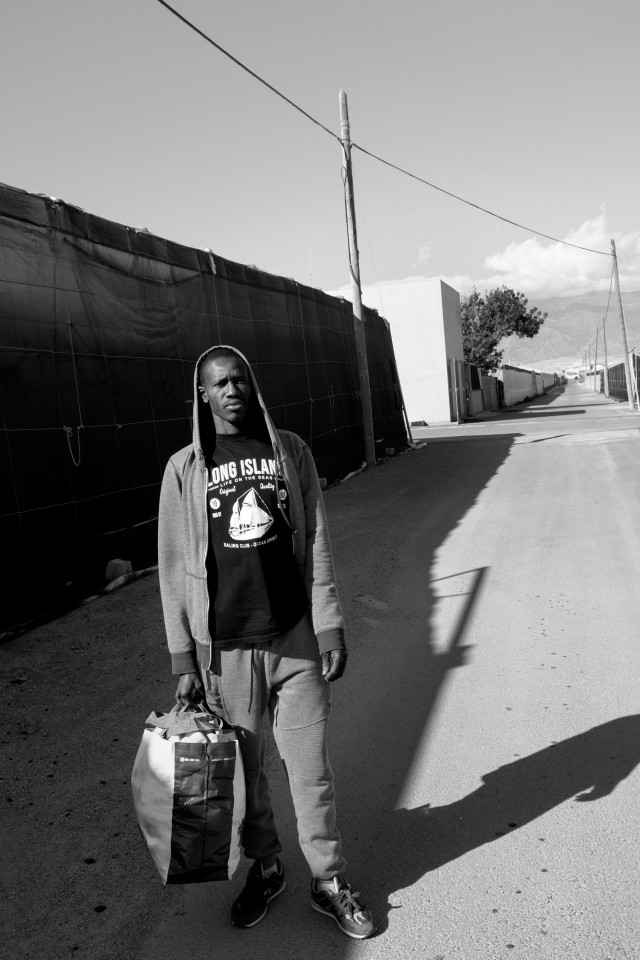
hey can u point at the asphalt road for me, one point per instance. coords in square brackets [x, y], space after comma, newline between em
[484, 739]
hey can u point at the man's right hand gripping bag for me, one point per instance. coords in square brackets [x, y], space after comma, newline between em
[189, 795]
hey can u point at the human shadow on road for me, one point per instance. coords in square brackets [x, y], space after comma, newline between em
[586, 767]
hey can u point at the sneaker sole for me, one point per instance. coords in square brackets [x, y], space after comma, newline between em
[247, 926]
[354, 936]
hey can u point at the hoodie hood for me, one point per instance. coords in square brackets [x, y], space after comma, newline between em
[258, 424]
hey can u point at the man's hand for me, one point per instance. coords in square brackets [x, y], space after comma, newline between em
[334, 664]
[190, 689]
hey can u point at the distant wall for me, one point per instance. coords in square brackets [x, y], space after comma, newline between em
[451, 316]
[521, 384]
[518, 384]
[595, 382]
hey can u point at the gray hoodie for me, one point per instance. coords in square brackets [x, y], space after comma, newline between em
[183, 536]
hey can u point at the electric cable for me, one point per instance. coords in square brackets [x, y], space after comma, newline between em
[477, 206]
[248, 70]
[368, 153]
[606, 314]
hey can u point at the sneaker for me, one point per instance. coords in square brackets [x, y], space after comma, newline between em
[251, 905]
[341, 904]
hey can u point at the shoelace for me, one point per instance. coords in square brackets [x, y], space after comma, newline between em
[348, 899]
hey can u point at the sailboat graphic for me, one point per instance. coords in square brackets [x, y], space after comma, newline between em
[250, 518]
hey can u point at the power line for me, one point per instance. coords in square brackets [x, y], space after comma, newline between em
[606, 314]
[413, 176]
[247, 70]
[356, 146]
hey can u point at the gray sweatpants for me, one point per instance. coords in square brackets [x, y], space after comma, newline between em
[285, 678]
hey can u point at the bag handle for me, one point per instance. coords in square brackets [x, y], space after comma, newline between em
[187, 719]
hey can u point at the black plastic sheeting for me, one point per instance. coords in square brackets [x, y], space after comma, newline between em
[100, 325]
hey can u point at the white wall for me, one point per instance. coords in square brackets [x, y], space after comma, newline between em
[518, 384]
[424, 317]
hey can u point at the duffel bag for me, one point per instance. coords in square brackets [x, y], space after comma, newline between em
[189, 795]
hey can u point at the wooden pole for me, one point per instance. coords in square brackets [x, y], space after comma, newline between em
[606, 359]
[623, 327]
[354, 266]
[633, 374]
[595, 366]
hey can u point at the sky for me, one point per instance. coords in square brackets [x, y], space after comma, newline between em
[527, 109]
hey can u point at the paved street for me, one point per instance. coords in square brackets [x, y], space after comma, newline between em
[484, 740]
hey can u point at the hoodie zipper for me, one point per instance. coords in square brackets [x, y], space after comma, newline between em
[206, 552]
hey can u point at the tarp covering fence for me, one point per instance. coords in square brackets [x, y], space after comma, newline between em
[100, 325]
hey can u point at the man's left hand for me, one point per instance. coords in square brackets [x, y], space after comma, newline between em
[334, 664]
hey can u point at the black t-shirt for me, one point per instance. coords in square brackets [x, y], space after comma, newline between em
[255, 589]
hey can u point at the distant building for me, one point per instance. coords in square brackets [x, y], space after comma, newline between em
[426, 329]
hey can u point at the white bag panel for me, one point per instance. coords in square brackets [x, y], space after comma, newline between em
[152, 781]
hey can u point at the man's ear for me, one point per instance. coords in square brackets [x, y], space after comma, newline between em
[203, 395]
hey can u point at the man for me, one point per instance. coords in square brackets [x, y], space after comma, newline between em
[253, 620]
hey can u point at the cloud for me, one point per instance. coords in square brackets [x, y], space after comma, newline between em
[546, 268]
[543, 268]
[424, 254]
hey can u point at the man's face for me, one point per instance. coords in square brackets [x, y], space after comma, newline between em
[227, 389]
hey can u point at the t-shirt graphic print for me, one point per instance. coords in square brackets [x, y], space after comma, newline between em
[255, 589]
[250, 518]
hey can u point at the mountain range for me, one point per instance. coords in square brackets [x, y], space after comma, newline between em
[571, 326]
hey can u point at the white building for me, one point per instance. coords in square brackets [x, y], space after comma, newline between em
[426, 329]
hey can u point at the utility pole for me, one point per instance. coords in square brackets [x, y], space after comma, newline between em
[623, 326]
[595, 366]
[354, 266]
[633, 374]
[589, 359]
[606, 359]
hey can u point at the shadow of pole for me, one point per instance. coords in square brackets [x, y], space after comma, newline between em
[388, 698]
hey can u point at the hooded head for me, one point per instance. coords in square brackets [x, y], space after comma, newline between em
[227, 398]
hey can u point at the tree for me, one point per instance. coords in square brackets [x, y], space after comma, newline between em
[487, 319]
